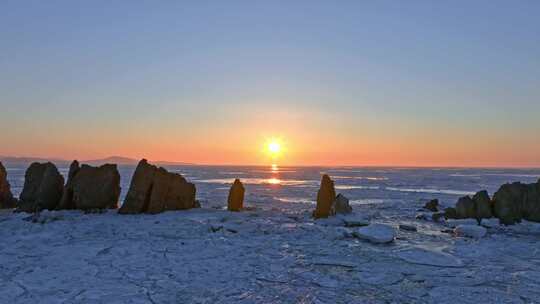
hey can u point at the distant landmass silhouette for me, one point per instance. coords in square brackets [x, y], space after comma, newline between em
[119, 160]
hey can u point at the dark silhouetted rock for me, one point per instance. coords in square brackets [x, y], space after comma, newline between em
[91, 188]
[517, 201]
[450, 213]
[66, 202]
[465, 208]
[235, 201]
[6, 197]
[483, 205]
[43, 187]
[432, 205]
[155, 190]
[325, 198]
[341, 205]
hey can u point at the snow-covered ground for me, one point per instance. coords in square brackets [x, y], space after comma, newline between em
[274, 252]
[266, 255]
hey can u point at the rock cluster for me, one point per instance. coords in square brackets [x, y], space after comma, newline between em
[43, 186]
[328, 203]
[154, 190]
[90, 188]
[6, 198]
[510, 204]
[235, 201]
[517, 201]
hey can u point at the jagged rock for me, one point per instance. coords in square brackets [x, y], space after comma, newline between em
[471, 231]
[483, 205]
[517, 201]
[465, 208]
[325, 198]
[432, 205]
[66, 202]
[376, 233]
[341, 205]
[154, 190]
[6, 197]
[91, 188]
[235, 201]
[450, 213]
[43, 187]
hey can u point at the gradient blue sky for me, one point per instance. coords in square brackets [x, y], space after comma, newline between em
[428, 83]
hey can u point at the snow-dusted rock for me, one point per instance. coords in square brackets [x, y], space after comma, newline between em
[377, 233]
[471, 231]
[341, 205]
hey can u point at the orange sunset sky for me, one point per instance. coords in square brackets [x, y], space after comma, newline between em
[352, 84]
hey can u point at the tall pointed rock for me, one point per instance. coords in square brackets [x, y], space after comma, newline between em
[325, 198]
[235, 201]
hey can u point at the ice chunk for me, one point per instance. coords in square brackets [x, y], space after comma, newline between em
[471, 231]
[376, 233]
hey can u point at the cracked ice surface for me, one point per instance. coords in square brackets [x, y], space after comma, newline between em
[213, 256]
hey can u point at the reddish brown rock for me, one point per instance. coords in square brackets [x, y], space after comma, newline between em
[94, 187]
[154, 190]
[325, 198]
[235, 201]
[6, 197]
[43, 187]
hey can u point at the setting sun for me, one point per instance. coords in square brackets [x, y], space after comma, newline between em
[274, 147]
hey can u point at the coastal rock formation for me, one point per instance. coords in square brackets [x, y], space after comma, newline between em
[432, 205]
[465, 208]
[235, 201]
[517, 201]
[325, 198]
[483, 205]
[155, 190]
[6, 198]
[90, 188]
[341, 205]
[43, 186]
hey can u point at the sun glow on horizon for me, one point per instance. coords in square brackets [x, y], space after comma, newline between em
[274, 148]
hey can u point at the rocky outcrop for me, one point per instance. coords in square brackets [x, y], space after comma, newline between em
[235, 201]
[465, 208]
[6, 198]
[90, 188]
[432, 205]
[325, 198]
[341, 205]
[510, 204]
[517, 201]
[154, 190]
[43, 186]
[483, 205]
